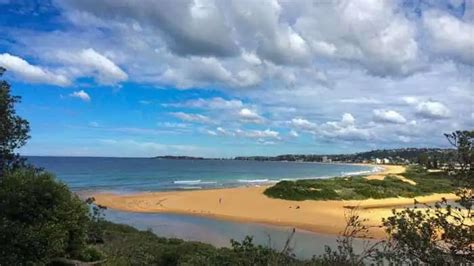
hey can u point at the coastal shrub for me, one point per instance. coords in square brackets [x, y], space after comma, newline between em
[40, 219]
[440, 233]
[357, 187]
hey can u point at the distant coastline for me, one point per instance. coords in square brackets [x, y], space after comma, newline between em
[171, 157]
[401, 156]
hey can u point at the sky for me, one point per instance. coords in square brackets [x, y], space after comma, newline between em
[227, 78]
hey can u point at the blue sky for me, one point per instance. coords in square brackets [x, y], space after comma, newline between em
[227, 78]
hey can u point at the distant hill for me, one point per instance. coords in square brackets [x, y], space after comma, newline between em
[170, 157]
[404, 155]
[431, 157]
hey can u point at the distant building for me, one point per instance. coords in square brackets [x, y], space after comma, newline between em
[377, 161]
[325, 159]
[386, 161]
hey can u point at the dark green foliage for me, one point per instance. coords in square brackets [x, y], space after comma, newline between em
[344, 253]
[357, 187]
[443, 233]
[13, 129]
[463, 168]
[431, 235]
[40, 219]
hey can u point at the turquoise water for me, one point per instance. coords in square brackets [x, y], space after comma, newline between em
[140, 174]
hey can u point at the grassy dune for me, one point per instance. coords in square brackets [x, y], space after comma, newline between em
[358, 187]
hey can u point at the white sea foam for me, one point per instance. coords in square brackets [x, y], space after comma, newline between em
[190, 188]
[186, 182]
[193, 182]
[364, 172]
[375, 169]
[306, 178]
[254, 180]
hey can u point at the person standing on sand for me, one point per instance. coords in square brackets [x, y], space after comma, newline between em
[220, 200]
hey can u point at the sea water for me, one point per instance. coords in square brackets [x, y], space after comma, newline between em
[146, 174]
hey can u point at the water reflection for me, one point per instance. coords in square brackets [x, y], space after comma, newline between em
[218, 232]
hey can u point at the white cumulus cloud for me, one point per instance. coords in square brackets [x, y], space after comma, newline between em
[216, 103]
[348, 119]
[91, 62]
[267, 133]
[247, 115]
[31, 73]
[196, 118]
[450, 36]
[346, 129]
[388, 116]
[360, 100]
[432, 110]
[302, 123]
[81, 95]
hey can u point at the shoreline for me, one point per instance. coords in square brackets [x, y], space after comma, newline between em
[249, 204]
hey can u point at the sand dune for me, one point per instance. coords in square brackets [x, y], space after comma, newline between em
[392, 170]
[250, 204]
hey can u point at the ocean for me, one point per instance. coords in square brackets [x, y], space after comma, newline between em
[123, 175]
[129, 175]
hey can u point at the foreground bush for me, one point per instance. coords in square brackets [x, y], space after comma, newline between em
[40, 219]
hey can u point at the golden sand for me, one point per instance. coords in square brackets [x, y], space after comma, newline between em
[392, 170]
[251, 205]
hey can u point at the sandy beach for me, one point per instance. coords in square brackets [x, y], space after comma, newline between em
[249, 204]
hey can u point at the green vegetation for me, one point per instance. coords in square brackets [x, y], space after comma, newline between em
[13, 129]
[358, 187]
[41, 219]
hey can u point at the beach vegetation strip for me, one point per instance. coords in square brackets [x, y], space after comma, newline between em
[125, 245]
[359, 187]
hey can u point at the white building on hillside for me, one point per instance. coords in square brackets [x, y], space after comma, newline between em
[325, 159]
